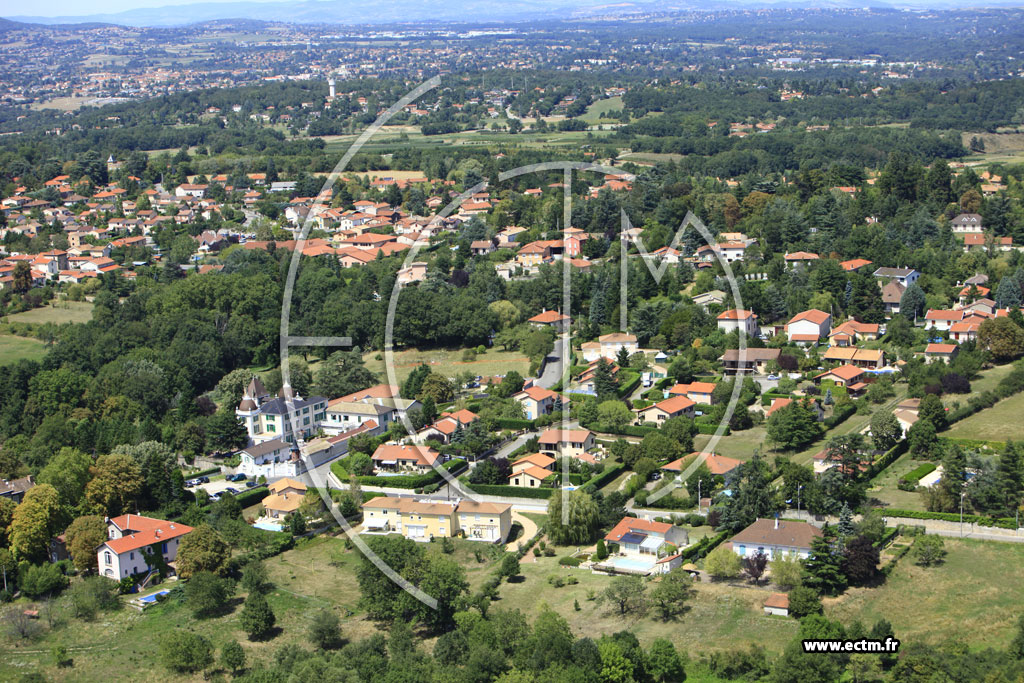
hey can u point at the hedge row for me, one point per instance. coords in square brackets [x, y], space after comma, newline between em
[840, 414]
[915, 475]
[630, 385]
[403, 481]
[607, 475]
[766, 398]
[890, 533]
[890, 456]
[512, 491]
[887, 569]
[981, 520]
[706, 428]
[252, 496]
[203, 473]
[513, 423]
[704, 546]
[1008, 386]
[976, 443]
[627, 430]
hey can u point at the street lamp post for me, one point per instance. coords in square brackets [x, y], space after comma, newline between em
[962, 494]
[799, 489]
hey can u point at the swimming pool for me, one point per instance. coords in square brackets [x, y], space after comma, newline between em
[150, 599]
[268, 526]
[631, 564]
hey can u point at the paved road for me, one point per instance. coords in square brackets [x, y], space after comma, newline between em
[555, 365]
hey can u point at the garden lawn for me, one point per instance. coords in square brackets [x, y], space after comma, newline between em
[884, 489]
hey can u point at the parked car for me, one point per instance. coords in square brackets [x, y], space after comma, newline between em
[214, 497]
[251, 484]
[235, 477]
[203, 480]
[191, 482]
[232, 491]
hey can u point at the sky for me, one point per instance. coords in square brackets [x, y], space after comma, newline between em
[62, 8]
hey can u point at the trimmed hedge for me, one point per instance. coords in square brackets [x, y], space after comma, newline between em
[606, 476]
[512, 491]
[203, 473]
[630, 385]
[513, 423]
[706, 428]
[981, 520]
[570, 561]
[704, 546]
[915, 475]
[840, 414]
[628, 430]
[890, 456]
[890, 533]
[252, 496]
[403, 481]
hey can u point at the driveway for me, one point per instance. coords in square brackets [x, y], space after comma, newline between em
[529, 530]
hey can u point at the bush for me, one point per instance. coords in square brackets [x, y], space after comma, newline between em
[929, 550]
[42, 579]
[257, 619]
[840, 414]
[804, 601]
[723, 563]
[185, 652]
[695, 520]
[569, 561]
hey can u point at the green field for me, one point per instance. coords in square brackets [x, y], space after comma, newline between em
[390, 138]
[596, 112]
[449, 363]
[1001, 422]
[60, 312]
[13, 349]
[975, 597]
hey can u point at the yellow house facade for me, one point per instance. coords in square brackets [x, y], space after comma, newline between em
[421, 521]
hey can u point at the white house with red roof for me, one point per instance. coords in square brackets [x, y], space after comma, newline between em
[559, 321]
[131, 537]
[642, 541]
[400, 457]
[938, 319]
[676, 406]
[807, 327]
[738, 319]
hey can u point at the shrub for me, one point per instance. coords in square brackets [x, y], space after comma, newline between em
[569, 561]
[185, 652]
[556, 581]
[929, 550]
[695, 520]
[804, 601]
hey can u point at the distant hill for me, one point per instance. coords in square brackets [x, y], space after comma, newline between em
[348, 12]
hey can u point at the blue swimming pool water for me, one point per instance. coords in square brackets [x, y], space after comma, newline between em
[631, 563]
[150, 599]
[268, 526]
